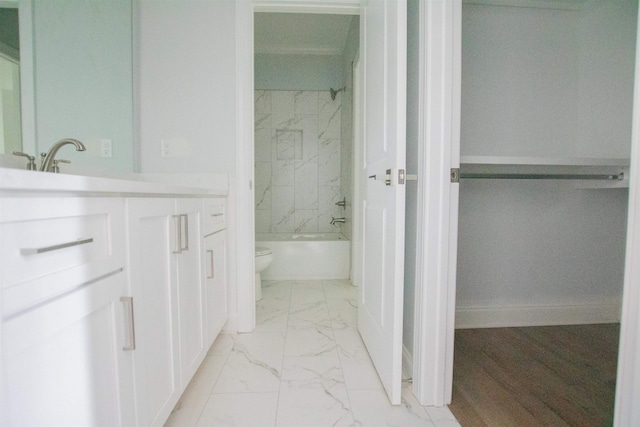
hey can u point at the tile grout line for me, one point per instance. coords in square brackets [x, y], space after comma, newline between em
[213, 383]
[284, 347]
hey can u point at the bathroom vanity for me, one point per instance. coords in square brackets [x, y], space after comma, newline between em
[111, 296]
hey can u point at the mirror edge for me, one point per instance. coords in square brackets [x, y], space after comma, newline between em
[27, 103]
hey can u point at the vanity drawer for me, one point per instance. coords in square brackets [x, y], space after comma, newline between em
[215, 215]
[52, 245]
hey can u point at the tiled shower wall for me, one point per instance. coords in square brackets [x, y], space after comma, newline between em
[297, 161]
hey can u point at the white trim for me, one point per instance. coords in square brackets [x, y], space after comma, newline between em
[245, 243]
[299, 50]
[546, 315]
[345, 7]
[10, 53]
[407, 363]
[536, 4]
[439, 143]
[357, 162]
[27, 78]
[627, 410]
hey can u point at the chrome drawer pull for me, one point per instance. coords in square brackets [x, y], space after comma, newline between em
[33, 251]
[132, 329]
[178, 221]
[217, 214]
[212, 275]
[186, 232]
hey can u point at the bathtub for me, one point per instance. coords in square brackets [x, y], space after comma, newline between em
[306, 256]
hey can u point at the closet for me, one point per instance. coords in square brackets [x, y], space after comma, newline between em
[547, 91]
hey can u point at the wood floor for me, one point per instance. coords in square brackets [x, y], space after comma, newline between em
[547, 376]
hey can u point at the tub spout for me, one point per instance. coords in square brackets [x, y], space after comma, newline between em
[334, 221]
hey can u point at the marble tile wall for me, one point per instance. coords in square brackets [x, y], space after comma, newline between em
[298, 149]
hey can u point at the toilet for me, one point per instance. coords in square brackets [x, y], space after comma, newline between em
[263, 259]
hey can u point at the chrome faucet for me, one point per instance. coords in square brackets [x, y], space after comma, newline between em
[48, 159]
[334, 221]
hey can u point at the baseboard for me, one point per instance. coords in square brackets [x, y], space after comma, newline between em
[407, 363]
[548, 315]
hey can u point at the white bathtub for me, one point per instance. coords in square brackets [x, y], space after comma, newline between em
[306, 256]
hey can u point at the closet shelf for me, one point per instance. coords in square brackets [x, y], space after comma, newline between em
[542, 161]
[587, 173]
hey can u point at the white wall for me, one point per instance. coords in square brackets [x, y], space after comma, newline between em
[83, 80]
[519, 81]
[538, 82]
[186, 85]
[607, 32]
[297, 72]
[185, 93]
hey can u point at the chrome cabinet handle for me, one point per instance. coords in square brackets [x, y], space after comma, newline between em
[186, 232]
[128, 301]
[33, 251]
[178, 223]
[217, 214]
[212, 275]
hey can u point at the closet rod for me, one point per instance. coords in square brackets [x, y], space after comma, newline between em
[607, 177]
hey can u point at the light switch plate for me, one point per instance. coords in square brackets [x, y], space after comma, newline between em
[105, 148]
[165, 148]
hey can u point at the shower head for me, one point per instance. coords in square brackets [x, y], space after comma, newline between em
[335, 92]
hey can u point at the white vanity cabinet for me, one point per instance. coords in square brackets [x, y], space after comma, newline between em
[104, 312]
[65, 328]
[214, 224]
[216, 290]
[165, 253]
[191, 310]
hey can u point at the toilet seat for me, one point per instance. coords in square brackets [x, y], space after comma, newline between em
[260, 250]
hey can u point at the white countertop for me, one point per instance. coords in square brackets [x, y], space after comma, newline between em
[16, 182]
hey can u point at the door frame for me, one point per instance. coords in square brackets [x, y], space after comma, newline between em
[627, 411]
[440, 88]
[436, 246]
[245, 211]
[435, 295]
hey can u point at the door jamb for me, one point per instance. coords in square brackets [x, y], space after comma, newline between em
[439, 151]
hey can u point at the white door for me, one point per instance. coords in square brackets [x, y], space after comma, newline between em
[383, 42]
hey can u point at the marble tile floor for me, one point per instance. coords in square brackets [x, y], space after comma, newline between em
[305, 365]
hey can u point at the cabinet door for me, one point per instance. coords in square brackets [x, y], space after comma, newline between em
[152, 270]
[190, 289]
[215, 259]
[63, 361]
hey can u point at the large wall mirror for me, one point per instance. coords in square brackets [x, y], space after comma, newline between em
[75, 81]
[10, 121]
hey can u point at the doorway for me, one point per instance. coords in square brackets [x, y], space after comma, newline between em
[528, 252]
[385, 91]
[303, 143]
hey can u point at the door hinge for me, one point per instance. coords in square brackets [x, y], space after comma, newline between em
[455, 174]
[401, 176]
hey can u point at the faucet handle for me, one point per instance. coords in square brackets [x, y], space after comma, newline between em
[32, 160]
[56, 167]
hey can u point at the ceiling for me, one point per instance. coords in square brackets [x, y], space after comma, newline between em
[295, 33]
